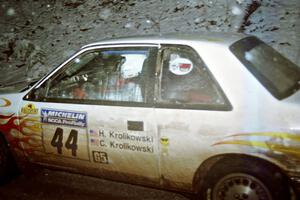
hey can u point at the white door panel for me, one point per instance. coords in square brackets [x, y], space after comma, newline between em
[100, 124]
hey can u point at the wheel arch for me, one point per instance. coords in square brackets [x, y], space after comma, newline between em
[205, 168]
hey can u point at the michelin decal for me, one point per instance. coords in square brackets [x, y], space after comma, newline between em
[68, 118]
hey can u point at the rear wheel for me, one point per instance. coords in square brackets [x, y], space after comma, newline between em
[244, 179]
[240, 186]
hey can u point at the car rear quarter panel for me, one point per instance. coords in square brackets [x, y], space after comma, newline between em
[258, 124]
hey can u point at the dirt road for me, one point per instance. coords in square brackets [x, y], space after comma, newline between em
[47, 184]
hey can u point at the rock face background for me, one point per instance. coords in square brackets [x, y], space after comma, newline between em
[36, 36]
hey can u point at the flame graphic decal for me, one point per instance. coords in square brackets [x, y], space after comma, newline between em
[286, 143]
[6, 102]
[23, 133]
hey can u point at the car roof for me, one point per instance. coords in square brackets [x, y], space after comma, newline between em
[175, 38]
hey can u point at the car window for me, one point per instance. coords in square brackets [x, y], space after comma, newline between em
[105, 74]
[276, 73]
[185, 80]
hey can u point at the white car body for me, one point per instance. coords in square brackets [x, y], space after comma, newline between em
[176, 146]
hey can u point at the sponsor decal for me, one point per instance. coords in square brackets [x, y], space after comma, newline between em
[29, 109]
[68, 118]
[4, 102]
[164, 141]
[180, 66]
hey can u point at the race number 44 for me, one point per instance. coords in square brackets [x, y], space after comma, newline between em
[66, 141]
[71, 143]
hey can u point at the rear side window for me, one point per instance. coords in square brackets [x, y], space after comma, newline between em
[186, 82]
[276, 73]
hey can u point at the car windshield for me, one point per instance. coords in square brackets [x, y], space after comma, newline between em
[279, 75]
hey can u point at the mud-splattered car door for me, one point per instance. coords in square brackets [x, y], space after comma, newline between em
[97, 114]
[188, 100]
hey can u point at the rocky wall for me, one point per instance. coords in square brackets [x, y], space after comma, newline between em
[38, 35]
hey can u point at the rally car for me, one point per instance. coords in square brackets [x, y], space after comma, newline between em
[216, 115]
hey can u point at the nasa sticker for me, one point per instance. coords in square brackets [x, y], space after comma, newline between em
[180, 66]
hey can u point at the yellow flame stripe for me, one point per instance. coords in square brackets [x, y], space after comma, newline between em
[289, 136]
[6, 104]
[31, 124]
[265, 145]
[30, 145]
[243, 142]
[32, 120]
[31, 130]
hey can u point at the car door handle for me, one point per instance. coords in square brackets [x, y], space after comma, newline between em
[135, 125]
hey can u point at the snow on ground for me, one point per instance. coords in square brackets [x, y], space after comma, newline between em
[36, 36]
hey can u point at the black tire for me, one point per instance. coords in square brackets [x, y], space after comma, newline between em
[7, 164]
[244, 179]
